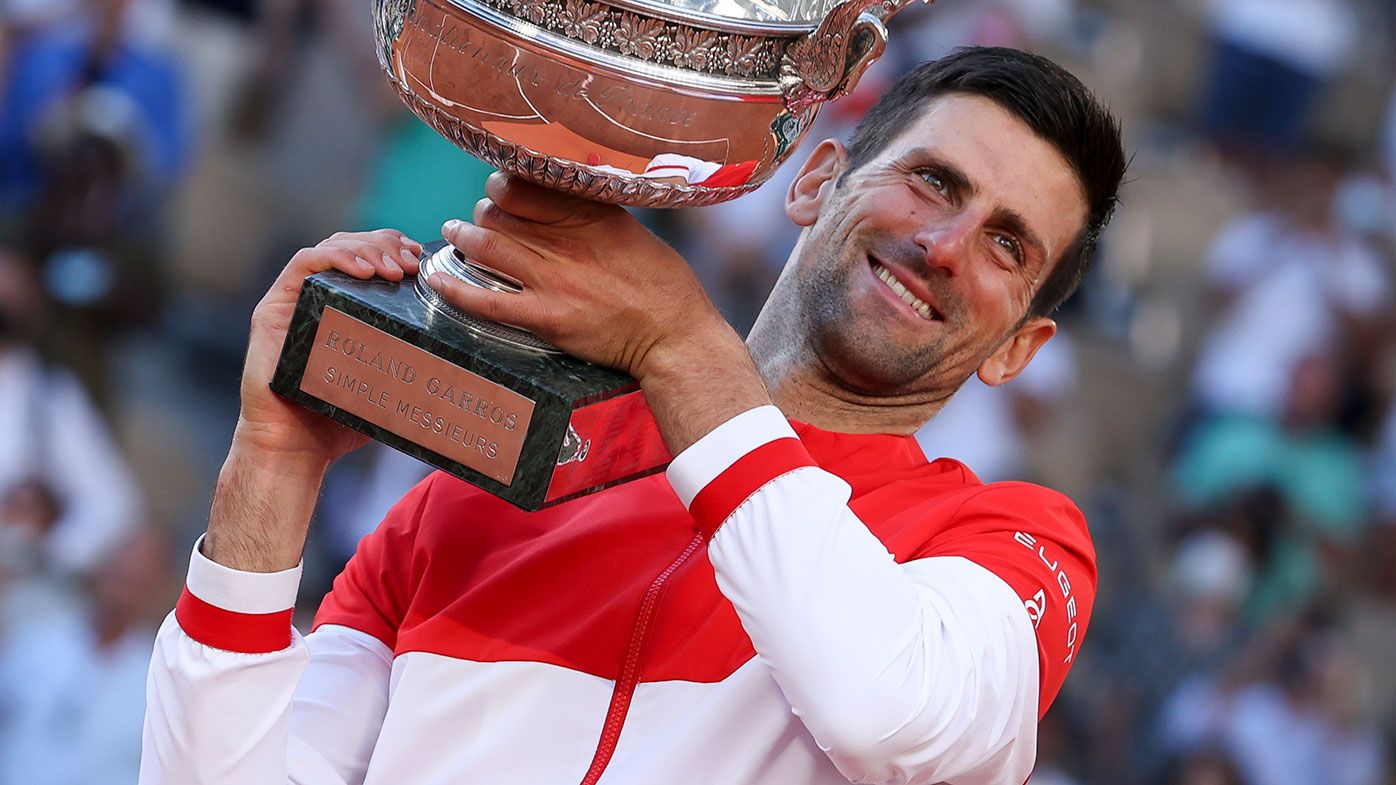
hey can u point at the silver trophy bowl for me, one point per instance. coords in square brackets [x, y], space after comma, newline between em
[634, 102]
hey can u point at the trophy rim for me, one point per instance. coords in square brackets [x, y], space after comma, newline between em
[620, 65]
[727, 24]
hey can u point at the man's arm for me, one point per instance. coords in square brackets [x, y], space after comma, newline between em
[918, 672]
[234, 694]
[226, 702]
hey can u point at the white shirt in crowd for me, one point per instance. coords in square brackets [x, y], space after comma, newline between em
[71, 712]
[1289, 291]
[50, 431]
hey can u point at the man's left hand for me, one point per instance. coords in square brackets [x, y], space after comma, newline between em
[597, 284]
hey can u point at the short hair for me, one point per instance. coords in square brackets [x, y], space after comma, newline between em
[1045, 96]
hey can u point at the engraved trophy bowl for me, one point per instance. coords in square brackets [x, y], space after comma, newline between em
[636, 102]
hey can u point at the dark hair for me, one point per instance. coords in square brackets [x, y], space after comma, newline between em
[1053, 103]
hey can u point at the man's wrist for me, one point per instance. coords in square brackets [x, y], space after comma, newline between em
[261, 510]
[256, 449]
[695, 385]
[676, 354]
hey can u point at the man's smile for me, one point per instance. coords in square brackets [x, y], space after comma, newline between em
[903, 293]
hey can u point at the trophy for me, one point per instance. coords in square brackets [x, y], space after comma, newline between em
[653, 103]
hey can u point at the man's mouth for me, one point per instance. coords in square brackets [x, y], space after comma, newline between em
[918, 305]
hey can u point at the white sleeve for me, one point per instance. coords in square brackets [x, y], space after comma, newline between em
[924, 672]
[264, 706]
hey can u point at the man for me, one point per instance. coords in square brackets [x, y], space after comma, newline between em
[803, 600]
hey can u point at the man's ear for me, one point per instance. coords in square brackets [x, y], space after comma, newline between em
[815, 181]
[1012, 356]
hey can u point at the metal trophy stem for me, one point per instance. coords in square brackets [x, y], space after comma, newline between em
[450, 261]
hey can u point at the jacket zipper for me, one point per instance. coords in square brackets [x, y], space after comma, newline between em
[629, 676]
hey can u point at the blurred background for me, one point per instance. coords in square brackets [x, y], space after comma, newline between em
[1220, 400]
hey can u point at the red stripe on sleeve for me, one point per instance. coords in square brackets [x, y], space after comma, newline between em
[245, 633]
[719, 498]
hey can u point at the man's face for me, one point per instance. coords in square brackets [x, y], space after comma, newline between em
[917, 269]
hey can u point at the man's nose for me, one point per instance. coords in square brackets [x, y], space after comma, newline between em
[946, 244]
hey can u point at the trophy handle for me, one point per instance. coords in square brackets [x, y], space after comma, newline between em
[827, 63]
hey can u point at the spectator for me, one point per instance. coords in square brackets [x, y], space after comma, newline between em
[1289, 284]
[1307, 707]
[92, 137]
[66, 495]
[1317, 468]
[110, 52]
[1293, 721]
[1270, 61]
[1210, 579]
[73, 686]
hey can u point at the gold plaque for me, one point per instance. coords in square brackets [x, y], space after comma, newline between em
[416, 395]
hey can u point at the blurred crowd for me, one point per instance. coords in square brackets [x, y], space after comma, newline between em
[1221, 400]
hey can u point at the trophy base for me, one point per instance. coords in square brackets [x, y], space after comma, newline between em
[533, 427]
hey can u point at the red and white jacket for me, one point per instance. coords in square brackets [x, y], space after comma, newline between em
[791, 606]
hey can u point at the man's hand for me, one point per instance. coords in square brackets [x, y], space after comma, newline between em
[267, 422]
[597, 284]
[601, 287]
[280, 452]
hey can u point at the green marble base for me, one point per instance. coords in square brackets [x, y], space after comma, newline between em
[535, 429]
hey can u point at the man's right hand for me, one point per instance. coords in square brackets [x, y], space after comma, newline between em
[269, 424]
[268, 485]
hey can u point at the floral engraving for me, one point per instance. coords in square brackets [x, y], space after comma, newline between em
[692, 48]
[583, 20]
[541, 169]
[746, 55]
[602, 25]
[537, 12]
[638, 35]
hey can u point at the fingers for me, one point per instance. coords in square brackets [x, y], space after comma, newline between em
[520, 309]
[492, 216]
[532, 202]
[493, 249]
[388, 251]
[385, 252]
[383, 263]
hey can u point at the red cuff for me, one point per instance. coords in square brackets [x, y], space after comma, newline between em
[245, 633]
[721, 497]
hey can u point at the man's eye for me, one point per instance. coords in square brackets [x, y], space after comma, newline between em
[934, 180]
[1008, 243]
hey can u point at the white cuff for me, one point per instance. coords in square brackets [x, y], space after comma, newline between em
[239, 591]
[695, 467]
